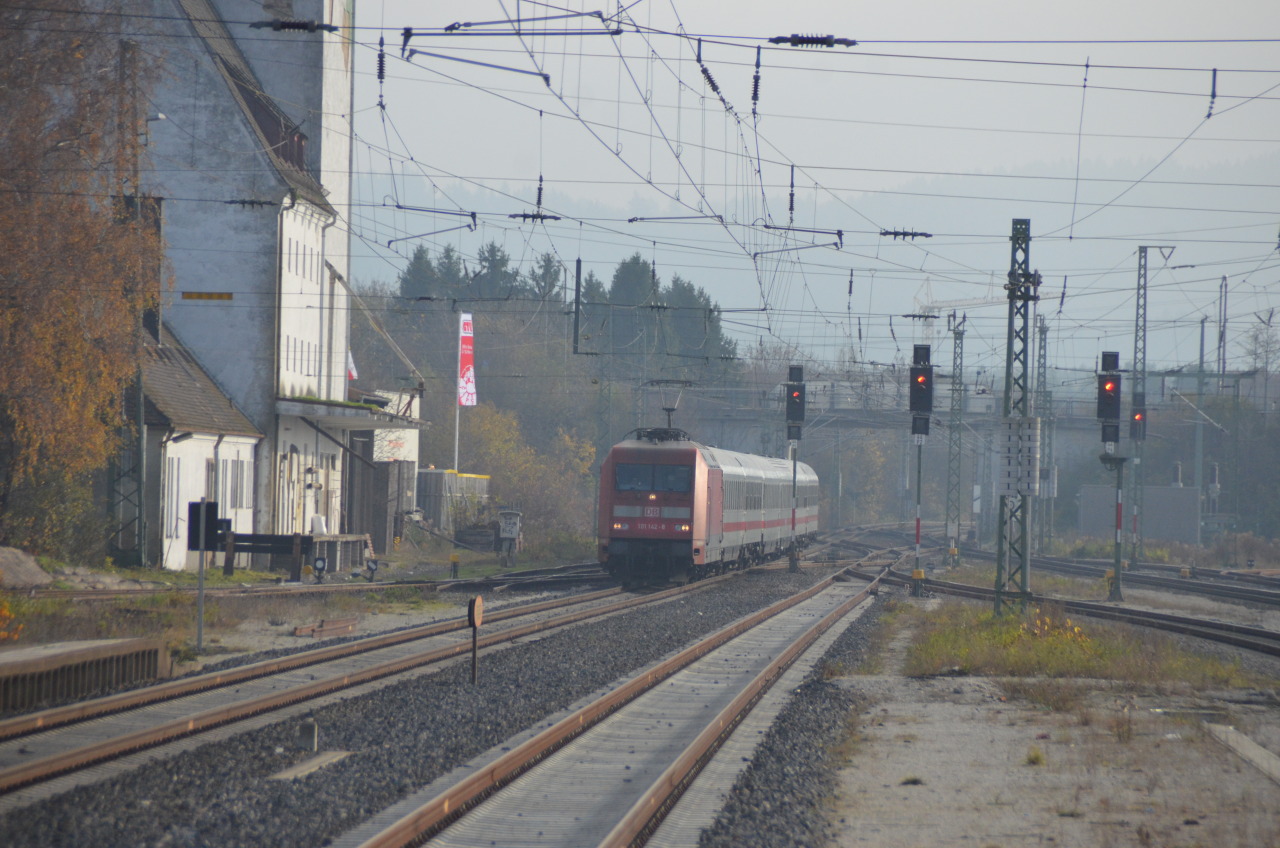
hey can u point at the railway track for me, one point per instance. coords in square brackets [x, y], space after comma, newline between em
[37, 747]
[608, 773]
[525, 578]
[1256, 639]
[1254, 594]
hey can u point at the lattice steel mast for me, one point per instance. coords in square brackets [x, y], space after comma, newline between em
[954, 440]
[1013, 553]
[1138, 405]
[1138, 401]
[1044, 411]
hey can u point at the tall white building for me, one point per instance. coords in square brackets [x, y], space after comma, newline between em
[249, 151]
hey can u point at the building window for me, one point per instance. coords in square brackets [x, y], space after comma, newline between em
[172, 479]
[235, 484]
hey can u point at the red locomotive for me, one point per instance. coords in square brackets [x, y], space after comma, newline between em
[674, 510]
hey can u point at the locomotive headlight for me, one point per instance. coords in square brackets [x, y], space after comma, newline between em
[652, 496]
[684, 527]
[620, 525]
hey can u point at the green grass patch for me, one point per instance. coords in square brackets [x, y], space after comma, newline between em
[1047, 582]
[1048, 644]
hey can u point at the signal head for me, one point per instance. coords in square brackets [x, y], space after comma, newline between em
[920, 389]
[795, 403]
[1138, 423]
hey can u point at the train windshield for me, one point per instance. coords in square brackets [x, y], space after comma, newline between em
[638, 477]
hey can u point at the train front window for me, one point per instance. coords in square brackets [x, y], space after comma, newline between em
[637, 477]
[633, 477]
[672, 478]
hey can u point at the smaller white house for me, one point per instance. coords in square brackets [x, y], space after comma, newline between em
[199, 445]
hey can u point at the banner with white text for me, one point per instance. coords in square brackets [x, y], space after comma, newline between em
[466, 362]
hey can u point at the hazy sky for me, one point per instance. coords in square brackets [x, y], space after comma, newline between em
[948, 118]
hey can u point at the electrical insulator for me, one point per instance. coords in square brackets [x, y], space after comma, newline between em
[711, 83]
[797, 40]
[295, 26]
[755, 83]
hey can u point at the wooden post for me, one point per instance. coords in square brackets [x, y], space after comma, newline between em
[475, 617]
[229, 555]
[295, 571]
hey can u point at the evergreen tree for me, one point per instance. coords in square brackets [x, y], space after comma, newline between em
[495, 278]
[418, 279]
[544, 280]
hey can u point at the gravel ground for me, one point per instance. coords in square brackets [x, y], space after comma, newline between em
[402, 737]
[262, 634]
[808, 786]
[782, 799]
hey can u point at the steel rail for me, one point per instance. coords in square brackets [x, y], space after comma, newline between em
[438, 812]
[1132, 579]
[254, 590]
[647, 813]
[121, 701]
[1257, 639]
[71, 760]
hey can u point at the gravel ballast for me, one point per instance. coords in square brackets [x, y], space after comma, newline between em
[402, 737]
[782, 798]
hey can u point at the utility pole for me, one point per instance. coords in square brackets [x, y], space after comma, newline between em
[1044, 411]
[1222, 330]
[1138, 404]
[1019, 473]
[1197, 470]
[955, 440]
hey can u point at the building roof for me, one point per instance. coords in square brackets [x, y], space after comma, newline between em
[181, 395]
[281, 139]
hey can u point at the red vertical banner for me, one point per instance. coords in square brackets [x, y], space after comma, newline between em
[466, 362]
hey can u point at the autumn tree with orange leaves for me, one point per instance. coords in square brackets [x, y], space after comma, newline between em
[78, 266]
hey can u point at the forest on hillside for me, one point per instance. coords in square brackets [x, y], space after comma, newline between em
[547, 415]
[553, 401]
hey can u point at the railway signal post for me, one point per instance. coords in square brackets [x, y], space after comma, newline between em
[795, 421]
[920, 402]
[1108, 410]
[202, 535]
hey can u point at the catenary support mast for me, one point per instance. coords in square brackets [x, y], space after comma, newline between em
[1013, 552]
[955, 440]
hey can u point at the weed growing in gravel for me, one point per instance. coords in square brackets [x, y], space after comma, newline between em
[1035, 756]
[1047, 582]
[960, 638]
[871, 660]
[1056, 695]
[849, 739]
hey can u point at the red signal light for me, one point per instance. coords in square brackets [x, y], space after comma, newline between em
[795, 403]
[921, 379]
[1109, 386]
